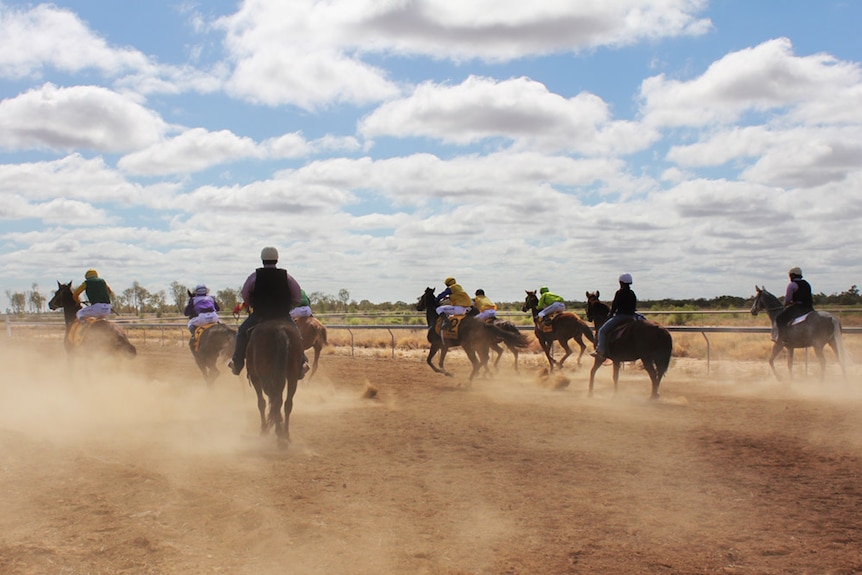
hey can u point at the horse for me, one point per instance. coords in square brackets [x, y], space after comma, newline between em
[474, 336]
[273, 357]
[91, 337]
[817, 330]
[564, 326]
[635, 340]
[313, 335]
[215, 342]
[597, 312]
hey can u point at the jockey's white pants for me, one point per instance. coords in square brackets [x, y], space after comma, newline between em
[301, 311]
[554, 307]
[94, 310]
[203, 319]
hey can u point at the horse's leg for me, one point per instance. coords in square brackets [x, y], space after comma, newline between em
[579, 340]
[649, 366]
[596, 365]
[546, 344]
[564, 343]
[276, 401]
[496, 347]
[616, 376]
[790, 362]
[444, 349]
[288, 406]
[514, 351]
[818, 350]
[776, 349]
[261, 405]
[474, 361]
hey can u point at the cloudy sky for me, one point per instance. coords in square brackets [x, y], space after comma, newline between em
[383, 145]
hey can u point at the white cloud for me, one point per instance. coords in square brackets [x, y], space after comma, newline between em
[518, 110]
[766, 77]
[80, 117]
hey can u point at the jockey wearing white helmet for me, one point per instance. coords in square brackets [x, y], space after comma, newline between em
[623, 309]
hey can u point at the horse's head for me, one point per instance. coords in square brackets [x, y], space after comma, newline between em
[764, 301]
[424, 300]
[531, 301]
[62, 297]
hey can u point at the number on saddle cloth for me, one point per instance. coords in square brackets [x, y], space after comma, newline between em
[454, 325]
[199, 332]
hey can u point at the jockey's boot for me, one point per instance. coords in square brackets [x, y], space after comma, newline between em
[236, 366]
[446, 325]
[547, 321]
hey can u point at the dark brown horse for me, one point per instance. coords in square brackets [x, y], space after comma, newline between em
[564, 326]
[817, 330]
[475, 337]
[273, 358]
[313, 335]
[637, 340]
[216, 342]
[88, 337]
[597, 312]
[505, 325]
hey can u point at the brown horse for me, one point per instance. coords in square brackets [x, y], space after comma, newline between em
[474, 336]
[86, 337]
[564, 326]
[273, 357]
[313, 335]
[216, 342]
[505, 325]
[637, 340]
[817, 330]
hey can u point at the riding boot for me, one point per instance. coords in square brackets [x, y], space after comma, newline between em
[305, 367]
[446, 325]
[238, 362]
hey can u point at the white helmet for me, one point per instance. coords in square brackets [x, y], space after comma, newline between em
[269, 253]
[201, 289]
[626, 278]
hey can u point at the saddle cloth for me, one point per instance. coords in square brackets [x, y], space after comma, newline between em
[78, 329]
[199, 331]
[454, 325]
[800, 319]
[548, 327]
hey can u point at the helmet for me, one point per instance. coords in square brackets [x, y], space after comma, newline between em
[450, 281]
[91, 273]
[269, 253]
[543, 289]
[480, 292]
[795, 271]
[626, 278]
[201, 289]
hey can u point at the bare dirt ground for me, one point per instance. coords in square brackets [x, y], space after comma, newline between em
[142, 469]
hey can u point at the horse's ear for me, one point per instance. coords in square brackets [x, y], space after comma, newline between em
[597, 294]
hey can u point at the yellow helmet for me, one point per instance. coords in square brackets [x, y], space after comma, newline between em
[450, 281]
[91, 273]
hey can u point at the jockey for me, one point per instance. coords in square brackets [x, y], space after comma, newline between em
[202, 308]
[270, 293]
[549, 303]
[623, 309]
[487, 308]
[798, 301]
[304, 307]
[99, 295]
[459, 301]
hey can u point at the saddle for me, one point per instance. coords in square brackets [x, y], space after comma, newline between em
[454, 326]
[547, 326]
[78, 330]
[199, 332]
[799, 319]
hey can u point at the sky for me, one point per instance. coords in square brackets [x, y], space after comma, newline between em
[381, 146]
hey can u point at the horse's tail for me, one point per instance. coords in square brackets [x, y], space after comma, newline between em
[664, 344]
[839, 342]
[514, 338]
[587, 331]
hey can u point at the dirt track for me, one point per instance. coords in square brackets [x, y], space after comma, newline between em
[144, 470]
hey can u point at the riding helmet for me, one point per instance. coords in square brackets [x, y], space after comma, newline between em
[626, 279]
[201, 289]
[480, 292]
[795, 271]
[91, 273]
[269, 253]
[450, 282]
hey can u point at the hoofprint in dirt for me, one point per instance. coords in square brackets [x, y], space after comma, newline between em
[144, 469]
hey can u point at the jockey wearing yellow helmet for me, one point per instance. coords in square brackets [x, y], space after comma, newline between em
[99, 295]
[459, 301]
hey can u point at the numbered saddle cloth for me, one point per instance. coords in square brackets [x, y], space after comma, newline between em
[454, 326]
[199, 331]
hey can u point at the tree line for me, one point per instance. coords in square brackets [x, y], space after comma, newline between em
[139, 301]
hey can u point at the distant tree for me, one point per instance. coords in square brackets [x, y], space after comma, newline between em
[227, 298]
[180, 294]
[343, 297]
[17, 300]
[156, 302]
[140, 296]
[37, 300]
